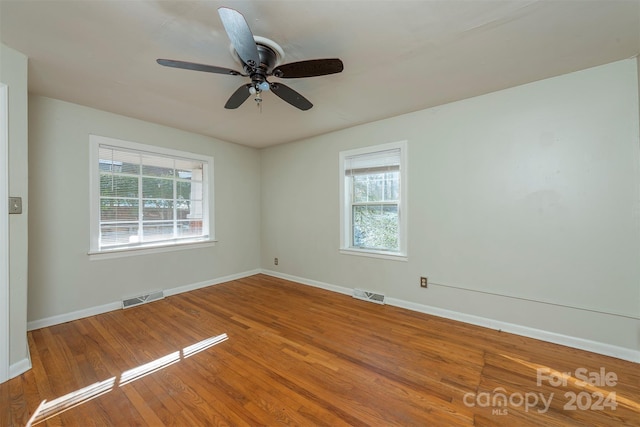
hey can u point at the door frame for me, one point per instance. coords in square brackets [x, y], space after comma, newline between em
[4, 233]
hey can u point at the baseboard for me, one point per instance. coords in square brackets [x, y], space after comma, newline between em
[21, 366]
[309, 282]
[566, 340]
[219, 280]
[112, 306]
[552, 337]
[74, 315]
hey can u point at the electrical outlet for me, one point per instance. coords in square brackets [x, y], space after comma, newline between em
[275, 261]
[423, 282]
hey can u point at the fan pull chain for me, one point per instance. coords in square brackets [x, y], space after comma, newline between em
[258, 100]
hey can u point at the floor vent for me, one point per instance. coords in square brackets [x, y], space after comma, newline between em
[142, 299]
[368, 296]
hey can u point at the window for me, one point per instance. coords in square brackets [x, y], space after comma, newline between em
[373, 200]
[144, 196]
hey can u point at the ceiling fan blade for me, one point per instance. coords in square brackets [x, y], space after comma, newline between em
[240, 35]
[198, 67]
[239, 96]
[291, 96]
[310, 68]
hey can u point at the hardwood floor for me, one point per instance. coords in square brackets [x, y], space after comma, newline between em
[265, 351]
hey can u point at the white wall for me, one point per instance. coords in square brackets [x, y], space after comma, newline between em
[13, 73]
[62, 278]
[524, 207]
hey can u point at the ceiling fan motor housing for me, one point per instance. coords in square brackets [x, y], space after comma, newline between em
[268, 60]
[271, 55]
[268, 57]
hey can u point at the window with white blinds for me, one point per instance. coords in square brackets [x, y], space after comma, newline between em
[373, 200]
[145, 196]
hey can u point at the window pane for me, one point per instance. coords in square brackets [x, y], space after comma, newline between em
[375, 187]
[375, 227]
[360, 188]
[120, 234]
[157, 188]
[157, 210]
[188, 209]
[185, 169]
[118, 210]
[378, 187]
[392, 186]
[157, 166]
[155, 231]
[118, 185]
[195, 210]
[183, 190]
[189, 228]
[112, 160]
[184, 174]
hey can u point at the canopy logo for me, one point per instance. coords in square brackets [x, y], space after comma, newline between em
[499, 401]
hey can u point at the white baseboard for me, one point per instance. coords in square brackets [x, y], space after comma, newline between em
[112, 306]
[219, 280]
[74, 315]
[304, 281]
[552, 337]
[20, 366]
[566, 340]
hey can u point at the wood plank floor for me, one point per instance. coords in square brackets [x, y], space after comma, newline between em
[265, 351]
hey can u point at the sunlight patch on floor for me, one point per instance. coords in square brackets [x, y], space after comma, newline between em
[48, 409]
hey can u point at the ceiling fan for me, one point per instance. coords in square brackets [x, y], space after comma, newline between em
[260, 58]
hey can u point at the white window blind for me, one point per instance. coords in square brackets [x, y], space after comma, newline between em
[377, 162]
[148, 198]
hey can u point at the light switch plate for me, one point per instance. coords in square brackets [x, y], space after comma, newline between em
[15, 205]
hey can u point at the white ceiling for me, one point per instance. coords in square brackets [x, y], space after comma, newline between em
[399, 56]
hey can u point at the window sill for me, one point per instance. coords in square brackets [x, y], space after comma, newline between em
[375, 254]
[146, 250]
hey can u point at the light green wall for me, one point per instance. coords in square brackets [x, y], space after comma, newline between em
[62, 277]
[523, 195]
[13, 73]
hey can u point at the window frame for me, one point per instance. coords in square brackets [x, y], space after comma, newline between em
[346, 203]
[207, 238]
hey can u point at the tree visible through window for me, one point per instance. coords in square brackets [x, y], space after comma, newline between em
[375, 210]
